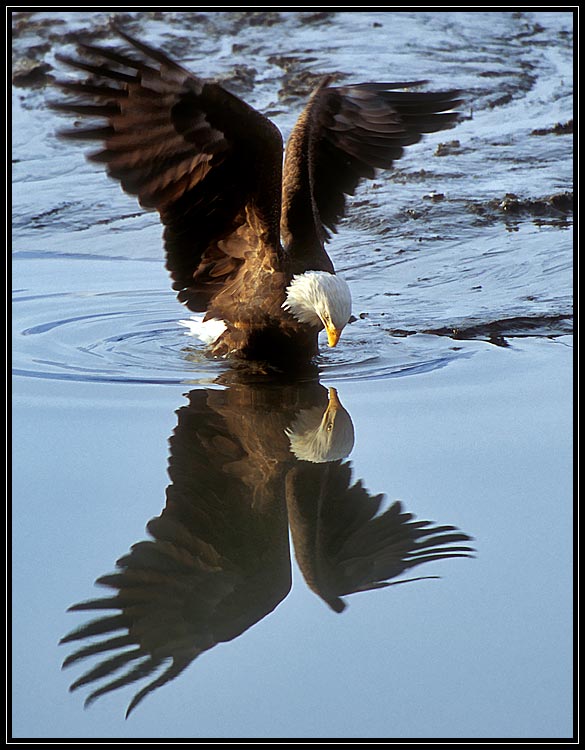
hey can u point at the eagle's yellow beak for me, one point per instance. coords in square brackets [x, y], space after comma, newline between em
[333, 335]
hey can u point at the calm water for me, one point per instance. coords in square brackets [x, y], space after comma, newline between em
[454, 386]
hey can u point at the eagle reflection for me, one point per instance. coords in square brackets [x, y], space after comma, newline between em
[246, 462]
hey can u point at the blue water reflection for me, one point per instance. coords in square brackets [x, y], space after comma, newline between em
[246, 463]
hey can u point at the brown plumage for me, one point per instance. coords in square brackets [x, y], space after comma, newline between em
[236, 230]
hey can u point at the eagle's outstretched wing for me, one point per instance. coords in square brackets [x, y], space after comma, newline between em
[206, 161]
[342, 136]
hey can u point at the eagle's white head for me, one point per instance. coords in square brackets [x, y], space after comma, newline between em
[320, 299]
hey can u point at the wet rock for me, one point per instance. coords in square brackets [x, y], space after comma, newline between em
[92, 34]
[401, 332]
[301, 84]
[242, 19]
[562, 201]
[29, 23]
[559, 128]
[242, 79]
[29, 73]
[195, 20]
[495, 331]
[522, 82]
[318, 17]
[449, 148]
[264, 18]
[288, 62]
[500, 101]
[402, 176]
[552, 206]
[530, 30]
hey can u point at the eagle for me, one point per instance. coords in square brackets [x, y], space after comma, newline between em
[245, 220]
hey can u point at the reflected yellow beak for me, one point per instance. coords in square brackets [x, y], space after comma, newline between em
[333, 407]
[333, 335]
[334, 402]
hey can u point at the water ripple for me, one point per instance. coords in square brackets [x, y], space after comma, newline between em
[133, 337]
[132, 341]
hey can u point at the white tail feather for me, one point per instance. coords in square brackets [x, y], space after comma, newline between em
[207, 331]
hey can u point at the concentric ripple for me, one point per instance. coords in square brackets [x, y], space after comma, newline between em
[128, 337]
[134, 337]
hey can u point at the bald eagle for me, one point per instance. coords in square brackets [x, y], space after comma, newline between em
[245, 230]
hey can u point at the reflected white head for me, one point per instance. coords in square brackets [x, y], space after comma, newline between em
[320, 298]
[320, 436]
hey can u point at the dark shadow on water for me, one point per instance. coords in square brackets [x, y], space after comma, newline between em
[247, 462]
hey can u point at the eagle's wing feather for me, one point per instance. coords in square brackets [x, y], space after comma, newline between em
[206, 161]
[344, 134]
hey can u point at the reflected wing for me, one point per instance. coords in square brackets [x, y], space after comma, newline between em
[217, 563]
[342, 136]
[343, 544]
[206, 161]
